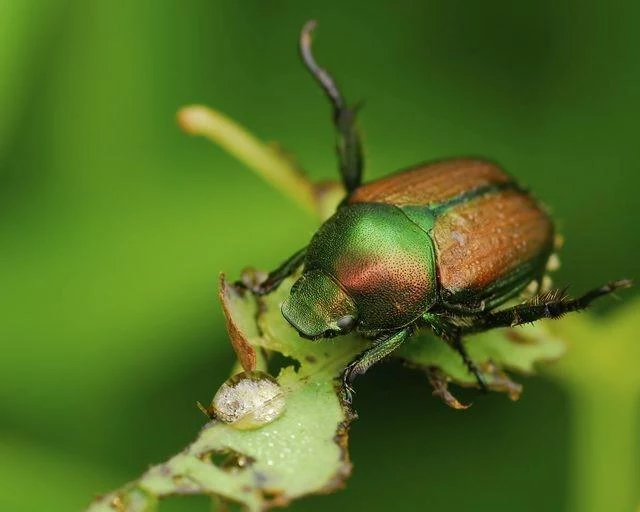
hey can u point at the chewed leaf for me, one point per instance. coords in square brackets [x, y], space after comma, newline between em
[298, 454]
[287, 437]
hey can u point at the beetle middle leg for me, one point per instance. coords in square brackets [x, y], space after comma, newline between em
[452, 334]
[381, 348]
[349, 145]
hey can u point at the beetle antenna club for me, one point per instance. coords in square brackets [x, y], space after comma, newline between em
[349, 146]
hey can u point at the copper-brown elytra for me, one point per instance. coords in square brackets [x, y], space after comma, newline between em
[439, 245]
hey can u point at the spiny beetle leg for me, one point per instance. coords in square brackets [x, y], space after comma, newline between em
[349, 145]
[552, 304]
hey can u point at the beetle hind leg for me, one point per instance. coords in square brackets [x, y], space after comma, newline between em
[552, 304]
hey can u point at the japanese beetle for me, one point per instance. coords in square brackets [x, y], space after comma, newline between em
[440, 245]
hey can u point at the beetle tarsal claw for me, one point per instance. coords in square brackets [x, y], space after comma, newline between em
[347, 392]
[347, 378]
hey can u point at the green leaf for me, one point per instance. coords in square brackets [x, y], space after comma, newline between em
[293, 456]
[304, 451]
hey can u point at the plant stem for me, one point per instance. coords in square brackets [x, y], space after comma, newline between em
[271, 164]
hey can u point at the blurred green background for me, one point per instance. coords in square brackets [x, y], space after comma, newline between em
[114, 225]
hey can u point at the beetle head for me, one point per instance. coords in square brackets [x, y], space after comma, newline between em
[318, 307]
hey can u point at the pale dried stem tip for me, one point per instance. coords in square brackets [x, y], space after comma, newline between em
[266, 161]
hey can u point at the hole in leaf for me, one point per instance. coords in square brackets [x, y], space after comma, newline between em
[228, 459]
[277, 362]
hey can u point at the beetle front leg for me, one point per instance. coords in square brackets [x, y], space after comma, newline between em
[381, 348]
[278, 275]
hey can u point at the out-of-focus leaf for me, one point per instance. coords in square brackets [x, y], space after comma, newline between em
[24, 31]
[607, 347]
[601, 376]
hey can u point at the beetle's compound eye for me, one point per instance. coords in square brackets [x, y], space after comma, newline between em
[346, 323]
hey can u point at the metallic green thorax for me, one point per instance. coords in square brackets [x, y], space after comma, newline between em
[380, 258]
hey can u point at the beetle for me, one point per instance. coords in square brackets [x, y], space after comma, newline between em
[440, 245]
